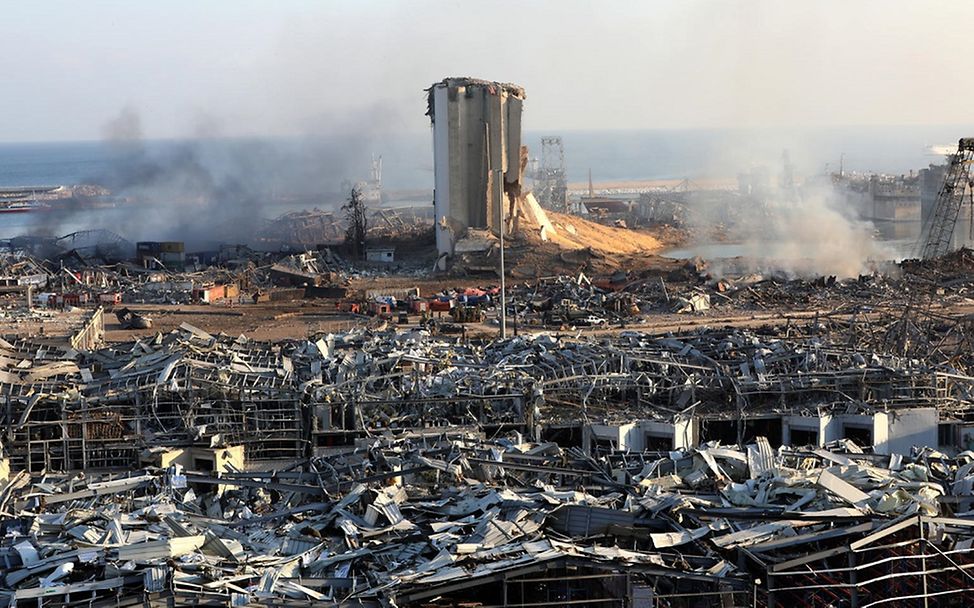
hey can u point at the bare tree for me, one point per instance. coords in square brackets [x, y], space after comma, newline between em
[357, 223]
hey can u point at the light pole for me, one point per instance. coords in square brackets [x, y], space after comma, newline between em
[503, 228]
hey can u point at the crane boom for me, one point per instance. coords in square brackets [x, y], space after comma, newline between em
[937, 235]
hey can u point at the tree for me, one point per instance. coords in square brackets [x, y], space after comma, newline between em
[357, 223]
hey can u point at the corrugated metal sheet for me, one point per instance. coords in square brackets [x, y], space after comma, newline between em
[297, 546]
[760, 458]
[155, 578]
[581, 520]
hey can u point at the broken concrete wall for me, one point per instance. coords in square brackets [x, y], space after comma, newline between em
[605, 435]
[839, 426]
[91, 335]
[646, 434]
[651, 435]
[889, 432]
[896, 432]
[195, 458]
[793, 427]
[686, 432]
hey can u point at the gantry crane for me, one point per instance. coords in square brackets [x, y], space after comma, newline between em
[938, 233]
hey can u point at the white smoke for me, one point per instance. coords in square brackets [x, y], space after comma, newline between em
[804, 232]
[816, 235]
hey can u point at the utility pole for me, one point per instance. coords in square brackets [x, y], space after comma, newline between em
[500, 178]
[497, 193]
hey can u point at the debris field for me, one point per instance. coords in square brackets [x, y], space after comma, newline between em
[400, 468]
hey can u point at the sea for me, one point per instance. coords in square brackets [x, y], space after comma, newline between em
[312, 171]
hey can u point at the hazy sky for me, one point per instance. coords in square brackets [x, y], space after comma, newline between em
[237, 67]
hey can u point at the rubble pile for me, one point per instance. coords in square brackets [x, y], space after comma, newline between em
[307, 268]
[309, 228]
[17, 270]
[952, 271]
[627, 297]
[945, 280]
[373, 468]
[401, 224]
[82, 282]
[432, 519]
[304, 228]
[275, 398]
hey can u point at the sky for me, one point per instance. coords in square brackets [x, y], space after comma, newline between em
[243, 68]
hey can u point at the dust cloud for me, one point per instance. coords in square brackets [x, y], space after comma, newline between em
[811, 237]
[807, 230]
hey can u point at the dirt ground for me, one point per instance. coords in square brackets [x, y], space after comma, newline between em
[300, 319]
[257, 321]
[269, 322]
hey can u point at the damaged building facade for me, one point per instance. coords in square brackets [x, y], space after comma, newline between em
[477, 155]
[103, 407]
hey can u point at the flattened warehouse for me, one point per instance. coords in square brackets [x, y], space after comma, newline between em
[372, 468]
[76, 410]
[812, 464]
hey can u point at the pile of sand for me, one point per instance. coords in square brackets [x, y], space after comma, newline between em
[545, 243]
[573, 232]
[569, 244]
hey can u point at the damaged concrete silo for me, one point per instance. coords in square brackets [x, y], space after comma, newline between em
[477, 155]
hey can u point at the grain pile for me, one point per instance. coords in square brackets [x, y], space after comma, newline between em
[579, 245]
[544, 243]
[573, 232]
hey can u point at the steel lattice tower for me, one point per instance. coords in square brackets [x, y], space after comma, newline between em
[938, 234]
[552, 184]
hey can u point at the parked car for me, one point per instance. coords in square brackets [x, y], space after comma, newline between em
[590, 321]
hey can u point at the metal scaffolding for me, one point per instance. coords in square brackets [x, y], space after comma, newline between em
[552, 183]
[938, 235]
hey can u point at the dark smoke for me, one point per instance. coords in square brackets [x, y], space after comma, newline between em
[210, 190]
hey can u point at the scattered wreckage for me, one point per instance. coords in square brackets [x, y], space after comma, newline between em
[817, 464]
[376, 468]
[622, 297]
[447, 519]
[129, 319]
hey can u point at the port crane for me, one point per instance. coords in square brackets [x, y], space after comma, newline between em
[938, 233]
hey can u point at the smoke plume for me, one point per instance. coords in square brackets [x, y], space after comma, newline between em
[802, 232]
[814, 236]
[209, 190]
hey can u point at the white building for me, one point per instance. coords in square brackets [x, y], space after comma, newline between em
[893, 431]
[380, 254]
